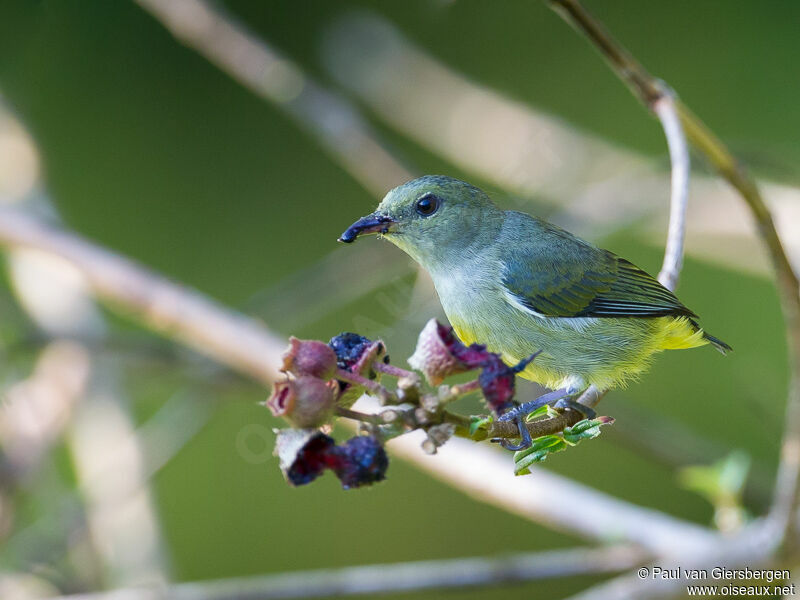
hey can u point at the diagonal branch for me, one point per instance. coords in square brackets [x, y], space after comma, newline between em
[170, 309]
[260, 68]
[648, 89]
[667, 113]
[396, 577]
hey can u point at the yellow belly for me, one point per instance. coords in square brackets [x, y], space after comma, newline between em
[554, 368]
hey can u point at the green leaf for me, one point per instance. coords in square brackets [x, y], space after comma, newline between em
[585, 430]
[543, 411]
[722, 481]
[545, 445]
[478, 422]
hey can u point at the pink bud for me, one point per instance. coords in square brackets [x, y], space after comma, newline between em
[304, 402]
[439, 354]
[309, 357]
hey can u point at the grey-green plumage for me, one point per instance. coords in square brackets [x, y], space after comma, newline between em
[520, 284]
[559, 275]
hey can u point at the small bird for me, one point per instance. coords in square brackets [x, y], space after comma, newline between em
[520, 284]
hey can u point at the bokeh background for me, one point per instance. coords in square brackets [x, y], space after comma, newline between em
[158, 464]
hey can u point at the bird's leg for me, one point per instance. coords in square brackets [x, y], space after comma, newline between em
[561, 398]
[568, 402]
[524, 434]
[527, 408]
[519, 413]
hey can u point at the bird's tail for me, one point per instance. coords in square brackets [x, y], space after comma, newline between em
[714, 341]
[717, 343]
[683, 332]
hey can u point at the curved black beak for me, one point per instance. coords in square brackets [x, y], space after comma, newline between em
[373, 223]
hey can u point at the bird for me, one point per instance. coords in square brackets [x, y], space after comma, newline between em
[521, 285]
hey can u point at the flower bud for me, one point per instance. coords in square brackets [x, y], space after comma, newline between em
[439, 353]
[303, 454]
[304, 402]
[309, 357]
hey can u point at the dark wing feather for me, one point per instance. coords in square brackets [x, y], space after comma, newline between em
[568, 277]
[634, 293]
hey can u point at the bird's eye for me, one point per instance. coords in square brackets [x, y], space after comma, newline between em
[427, 205]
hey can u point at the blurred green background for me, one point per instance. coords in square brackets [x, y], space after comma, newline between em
[149, 149]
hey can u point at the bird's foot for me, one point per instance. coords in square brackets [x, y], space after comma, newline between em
[561, 398]
[570, 404]
[550, 398]
[524, 434]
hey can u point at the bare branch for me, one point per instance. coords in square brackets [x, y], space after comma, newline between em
[750, 547]
[170, 309]
[664, 108]
[264, 71]
[396, 577]
[787, 488]
[552, 499]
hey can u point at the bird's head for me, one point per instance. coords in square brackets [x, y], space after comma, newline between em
[434, 219]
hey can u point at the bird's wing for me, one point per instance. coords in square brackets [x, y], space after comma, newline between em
[584, 281]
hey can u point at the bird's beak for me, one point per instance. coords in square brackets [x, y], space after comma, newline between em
[373, 223]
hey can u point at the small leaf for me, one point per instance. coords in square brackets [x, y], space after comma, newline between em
[585, 430]
[528, 456]
[546, 411]
[478, 422]
[539, 443]
[546, 445]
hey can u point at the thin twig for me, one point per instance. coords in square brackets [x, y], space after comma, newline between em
[664, 108]
[787, 487]
[394, 578]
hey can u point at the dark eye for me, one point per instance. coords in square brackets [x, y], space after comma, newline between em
[427, 205]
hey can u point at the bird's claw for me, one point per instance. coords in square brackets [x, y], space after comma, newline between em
[527, 408]
[558, 399]
[524, 434]
[570, 404]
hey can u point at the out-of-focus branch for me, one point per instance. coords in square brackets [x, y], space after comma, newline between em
[553, 500]
[750, 547]
[647, 89]
[397, 577]
[171, 309]
[108, 459]
[264, 71]
[664, 108]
